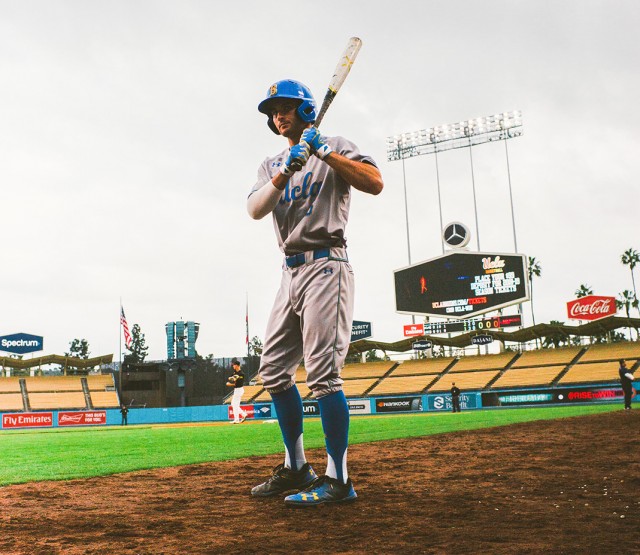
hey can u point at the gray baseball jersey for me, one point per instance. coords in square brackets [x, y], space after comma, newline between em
[313, 311]
[314, 207]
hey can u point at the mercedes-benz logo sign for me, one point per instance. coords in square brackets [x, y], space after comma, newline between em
[456, 235]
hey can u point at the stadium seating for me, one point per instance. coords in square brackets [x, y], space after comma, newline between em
[104, 399]
[613, 352]
[525, 377]
[57, 400]
[100, 382]
[422, 366]
[464, 380]
[9, 385]
[53, 383]
[403, 384]
[483, 362]
[357, 388]
[366, 369]
[11, 402]
[591, 372]
[547, 357]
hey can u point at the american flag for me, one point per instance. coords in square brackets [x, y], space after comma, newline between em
[125, 328]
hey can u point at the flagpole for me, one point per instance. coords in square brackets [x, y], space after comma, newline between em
[247, 320]
[120, 350]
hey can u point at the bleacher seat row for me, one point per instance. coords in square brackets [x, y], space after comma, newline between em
[58, 392]
[508, 370]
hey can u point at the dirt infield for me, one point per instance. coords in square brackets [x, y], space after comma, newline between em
[565, 486]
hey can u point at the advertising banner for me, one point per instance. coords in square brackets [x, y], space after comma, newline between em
[551, 396]
[21, 343]
[360, 330]
[398, 404]
[362, 406]
[310, 408]
[591, 307]
[27, 420]
[262, 411]
[82, 418]
[414, 330]
[443, 402]
[249, 410]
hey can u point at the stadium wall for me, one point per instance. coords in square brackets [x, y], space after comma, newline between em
[366, 406]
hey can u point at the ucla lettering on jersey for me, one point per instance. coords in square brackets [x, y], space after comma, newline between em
[301, 192]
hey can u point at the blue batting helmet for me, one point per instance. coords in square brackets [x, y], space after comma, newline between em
[288, 88]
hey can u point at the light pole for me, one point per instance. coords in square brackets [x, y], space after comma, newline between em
[463, 134]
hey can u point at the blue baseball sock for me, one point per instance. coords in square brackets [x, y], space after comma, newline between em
[334, 412]
[288, 406]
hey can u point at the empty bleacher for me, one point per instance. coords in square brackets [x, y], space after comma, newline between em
[366, 369]
[11, 402]
[57, 400]
[464, 380]
[53, 383]
[58, 392]
[612, 352]
[527, 377]
[9, 385]
[547, 357]
[591, 372]
[422, 366]
[403, 384]
[483, 362]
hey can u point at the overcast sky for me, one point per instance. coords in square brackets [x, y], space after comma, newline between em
[130, 137]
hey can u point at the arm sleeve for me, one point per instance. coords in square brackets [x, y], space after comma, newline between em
[264, 196]
[262, 200]
[629, 375]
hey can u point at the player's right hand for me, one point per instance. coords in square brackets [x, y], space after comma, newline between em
[298, 156]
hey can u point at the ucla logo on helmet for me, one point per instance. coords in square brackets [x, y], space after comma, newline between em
[273, 90]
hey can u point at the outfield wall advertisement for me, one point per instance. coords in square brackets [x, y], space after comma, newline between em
[552, 396]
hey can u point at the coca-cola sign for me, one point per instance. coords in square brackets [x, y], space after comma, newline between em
[591, 307]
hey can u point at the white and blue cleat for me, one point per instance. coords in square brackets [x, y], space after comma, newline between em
[323, 490]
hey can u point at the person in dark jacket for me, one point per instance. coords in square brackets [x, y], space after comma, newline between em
[626, 379]
[455, 397]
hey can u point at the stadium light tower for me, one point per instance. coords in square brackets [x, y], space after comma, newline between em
[463, 134]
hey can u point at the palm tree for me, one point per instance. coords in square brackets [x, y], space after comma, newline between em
[626, 300]
[583, 291]
[534, 270]
[631, 258]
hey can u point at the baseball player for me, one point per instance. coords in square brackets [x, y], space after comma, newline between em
[626, 380]
[307, 189]
[237, 382]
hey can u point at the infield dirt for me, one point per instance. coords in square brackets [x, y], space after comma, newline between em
[563, 486]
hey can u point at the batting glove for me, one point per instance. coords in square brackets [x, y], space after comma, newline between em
[298, 156]
[317, 142]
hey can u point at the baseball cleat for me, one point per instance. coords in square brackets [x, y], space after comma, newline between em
[243, 418]
[284, 480]
[323, 490]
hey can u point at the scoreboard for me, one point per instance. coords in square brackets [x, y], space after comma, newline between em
[475, 324]
[462, 284]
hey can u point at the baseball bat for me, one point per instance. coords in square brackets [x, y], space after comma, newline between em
[339, 75]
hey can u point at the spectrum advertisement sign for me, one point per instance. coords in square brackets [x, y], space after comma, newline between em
[552, 396]
[21, 343]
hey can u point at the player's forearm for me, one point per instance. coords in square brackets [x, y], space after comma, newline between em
[264, 200]
[360, 175]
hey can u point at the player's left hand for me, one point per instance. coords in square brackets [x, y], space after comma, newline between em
[316, 142]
